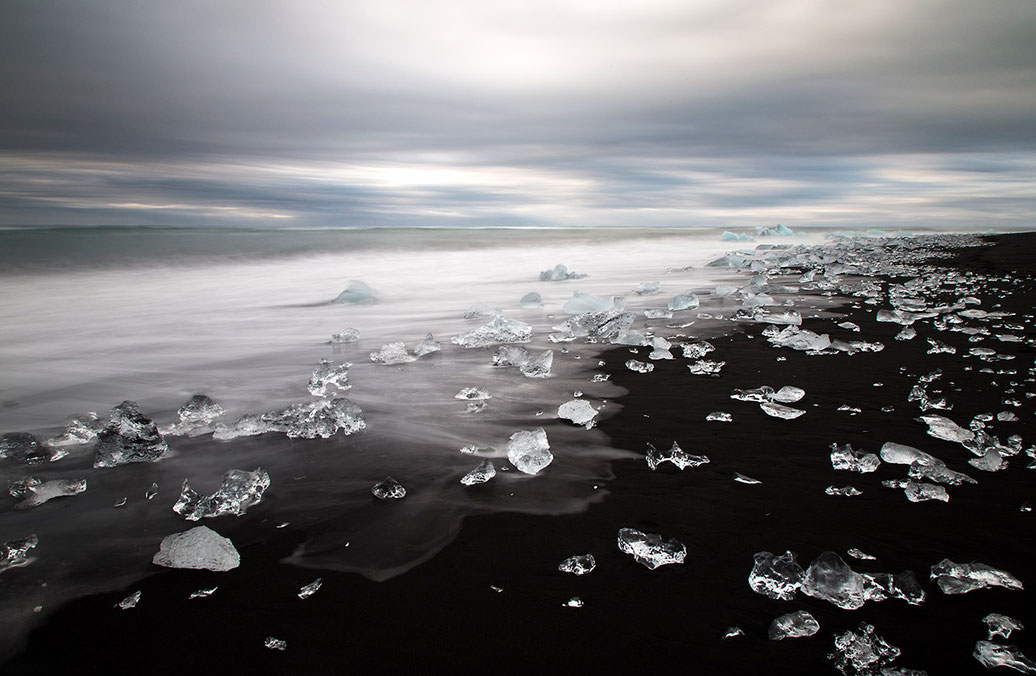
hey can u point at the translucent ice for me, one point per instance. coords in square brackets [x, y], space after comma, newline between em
[275, 643]
[581, 303]
[847, 491]
[328, 375]
[388, 489]
[603, 325]
[788, 394]
[197, 548]
[944, 428]
[793, 625]
[426, 346]
[799, 339]
[322, 418]
[705, 367]
[675, 455]
[683, 301]
[940, 474]
[356, 292]
[130, 601]
[79, 430]
[35, 492]
[14, 553]
[863, 652]
[780, 410]
[741, 478]
[649, 549]
[639, 366]
[346, 336]
[991, 655]
[630, 337]
[829, 578]
[990, 461]
[238, 491]
[917, 491]
[648, 288]
[719, 416]
[961, 578]
[196, 414]
[472, 394]
[578, 565]
[128, 437]
[24, 447]
[529, 365]
[845, 458]
[529, 451]
[579, 411]
[776, 577]
[697, 350]
[1001, 625]
[908, 333]
[531, 300]
[499, 331]
[559, 274]
[901, 454]
[310, 589]
[392, 353]
[481, 474]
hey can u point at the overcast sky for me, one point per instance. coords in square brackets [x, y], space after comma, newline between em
[734, 113]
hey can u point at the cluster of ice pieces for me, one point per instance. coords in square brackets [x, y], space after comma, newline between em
[238, 491]
[396, 353]
[307, 420]
[499, 331]
[961, 578]
[559, 273]
[529, 365]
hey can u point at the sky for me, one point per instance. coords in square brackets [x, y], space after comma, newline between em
[723, 113]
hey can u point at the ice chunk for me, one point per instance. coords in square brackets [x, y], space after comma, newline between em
[776, 577]
[697, 350]
[578, 565]
[472, 394]
[991, 655]
[728, 236]
[559, 274]
[198, 548]
[705, 367]
[427, 346]
[203, 593]
[741, 478]
[901, 454]
[79, 430]
[311, 588]
[944, 428]
[356, 292]
[579, 411]
[862, 653]
[630, 337]
[388, 489]
[683, 301]
[788, 394]
[733, 632]
[661, 349]
[793, 625]
[904, 585]
[649, 549]
[847, 491]
[639, 366]
[531, 300]
[675, 455]
[603, 325]
[574, 602]
[799, 339]
[780, 410]
[328, 375]
[530, 366]
[648, 288]
[499, 331]
[346, 336]
[845, 458]
[35, 492]
[940, 474]
[581, 303]
[849, 326]
[918, 491]
[790, 318]
[392, 353]
[529, 451]
[24, 447]
[275, 643]
[480, 312]
[481, 474]
[14, 553]
[128, 437]
[831, 579]
[908, 333]
[238, 491]
[858, 554]
[1001, 625]
[196, 414]
[961, 578]
[322, 418]
[130, 601]
[719, 416]
[990, 461]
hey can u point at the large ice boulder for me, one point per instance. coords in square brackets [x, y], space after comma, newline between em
[199, 548]
[129, 436]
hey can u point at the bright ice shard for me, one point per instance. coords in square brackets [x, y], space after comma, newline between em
[862, 653]
[427, 346]
[938, 347]
[901, 454]
[14, 553]
[908, 333]
[346, 336]
[918, 491]
[990, 461]
[499, 331]
[481, 474]
[530, 366]
[649, 549]
[320, 418]
[26, 448]
[940, 474]
[849, 326]
[130, 601]
[845, 458]
[238, 491]
[79, 430]
[829, 578]
[388, 489]
[661, 349]
[35, 492]
[863, 556]
[741, 478]
[776, 577]
[529, 451]
[203, 593]
[733, 632]
[706, 367]
[675, 455]
[559, 274]
[392, 353]
[579, 411]
[961, 578]
[604, 325]
[581, 303]
[578, 565]
[683, 301]
[793, 625]
[786, 318]
[639, 366]
[480, 311]
[780, 410]
[798, 339]
[904, 585]
[847, 491]
[1001, 625]
[991, 655]
[328, 374]
[719, 416]
[198, 548]
[944, 428]
[310, 589]
[128, 437]
[196, 414]
[275, 643]
[356, 292]
[531, 300]
[697, 350]
[630, 337]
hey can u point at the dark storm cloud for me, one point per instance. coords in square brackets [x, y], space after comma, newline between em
[569, 113]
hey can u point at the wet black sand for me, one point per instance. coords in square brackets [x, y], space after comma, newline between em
[445, 615]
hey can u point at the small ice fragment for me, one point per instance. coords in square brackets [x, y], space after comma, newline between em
[706, 367]
[578, 565]
[741, 478]
[849, 326]
[120, 503]
[862, 653]
[428, 345]
[733, 632]
[328, 374]
[675, 455]
[1001, 625]
[238, 491]
[780, 410]
[150, 493]
[128, 437]
[499, 331]
[793, 625]
[776, 577]
[719, 416]
[961, 578]
[476, 406]
[559, 274]
[346, 336]
[473, 394]
[35, 492]
[356, 292]
[649, 549]
[479, 312]
[130, 601]
[658, 314]
[574, 602]
[648, 288]
[14, 553]
[858, 554]
[991, 655]
[829, 578]
[388, 489]
[203, 593]
[579, 411]
[529, 451]
[531, 300]
[683, 301]
[639, 366]
[310, 589]
[1007, 416]
[908, 333]
[481, 474]
[938, 347]
[391, 354]
[918, 491]
[198, 548]
[495, 588]
[845, 458]
[275, 643]
[788, 394]
[847, 491]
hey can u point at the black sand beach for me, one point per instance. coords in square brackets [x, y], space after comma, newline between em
[493, 600]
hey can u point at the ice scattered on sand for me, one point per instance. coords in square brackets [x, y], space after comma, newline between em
[649, 549]
[128, 437]
[15, 553]
[239, 490]
[356, 292]
[1001, 625]
[793, 625]
[776, 577]
[499, 331]
[578, 565]
[529, 451]
[579, 411]
[199, 548]
[991, 655]
[961, 578]
[310, 589]
[481, 474]
[388, 489]
[35, 492]
[675, 455]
